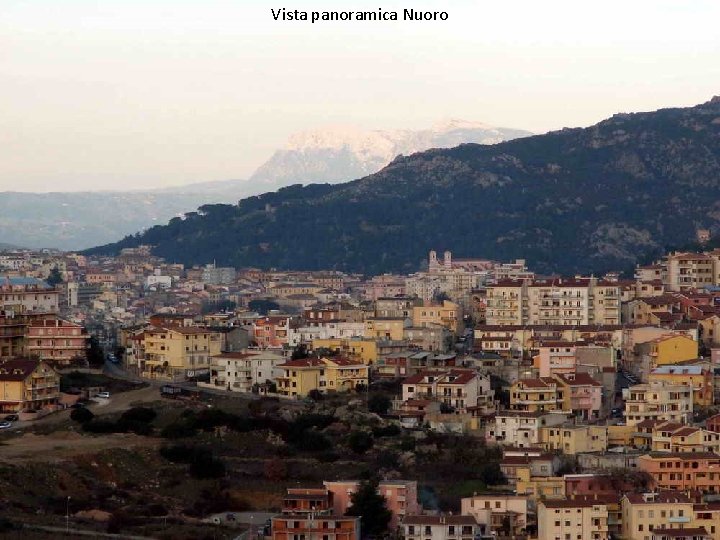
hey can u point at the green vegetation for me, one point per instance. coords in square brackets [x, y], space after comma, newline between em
[372, 507]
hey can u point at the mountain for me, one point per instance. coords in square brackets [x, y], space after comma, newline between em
[339, 154]
[575, 200]
[73, 221]
[77, 220]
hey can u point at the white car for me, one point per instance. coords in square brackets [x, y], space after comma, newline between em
[104, 395]
[5, 425]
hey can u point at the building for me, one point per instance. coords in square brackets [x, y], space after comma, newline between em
[57, 341]
[683, 471]
[644, 512]
[572, 439]
[401, 497]
[441, 527]
[658, 401]
[388, 328]
[216, 275]
[307, 513]
[578, 518]
[501, 513]
[448, 314]
[244, 371]
[687, 271]
[699, 377]
[522, 429]
[580, 394]
[456, 388]
[300, 377]
[178, 353]
[19, 295]
[536, 395]
[27, 385]
[271, 332]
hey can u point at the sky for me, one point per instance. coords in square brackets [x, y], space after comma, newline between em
[129, 94]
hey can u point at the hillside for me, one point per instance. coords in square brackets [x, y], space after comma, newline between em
[576, 200]
[79, 220]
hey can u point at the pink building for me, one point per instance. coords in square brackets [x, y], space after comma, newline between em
[56, 341]
[556, 357]
[271, 332]
[401, 497]
[581, 394]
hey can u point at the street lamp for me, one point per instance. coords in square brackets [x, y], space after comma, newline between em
[67, 515]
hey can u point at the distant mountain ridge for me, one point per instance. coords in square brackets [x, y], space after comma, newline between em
[339, 154]
[73, 221]
[575, 200]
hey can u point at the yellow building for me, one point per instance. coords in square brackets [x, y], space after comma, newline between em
[672, 349]
[580, 517]
[449, 315]
[27, 385]
[364, 349]
[172, 353]
[302, 376]
[700, 378]
[533, 395]
[388, 328]
[539, 487]
[643, 512]
[574, 439]
[658, 401]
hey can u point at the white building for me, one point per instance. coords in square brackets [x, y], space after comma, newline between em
[443, 527]
[522, 429]
[239, 371]
[455, 387]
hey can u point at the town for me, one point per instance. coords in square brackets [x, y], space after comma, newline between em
[565, 407]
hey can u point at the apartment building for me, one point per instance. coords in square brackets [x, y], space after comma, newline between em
[698, 377]
[244, 371]
[19, 295]
[271, 332]
[308, 513]
[502, 514]
[581, 394]
[401, 497]
[522, 429]
[400, 307]
[300, 377]
[27, 385]
[457, 388]
[388, 328]
[448, 314]
[676, 438]
[644, 512]
[569, 302]
[536, 395]
[178, 353]
[686, 271]
[572, 439]
[57, 341]
[578, 518]
[441, 527]
[683, 471]
[658, 401]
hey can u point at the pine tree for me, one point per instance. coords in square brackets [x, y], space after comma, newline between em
[371, 507]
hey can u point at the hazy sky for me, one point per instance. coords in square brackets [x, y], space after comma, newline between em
[114, 94]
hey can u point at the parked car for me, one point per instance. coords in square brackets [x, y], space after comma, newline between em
[77, 405]
[5, 425]
[12, 418]
[104, 395]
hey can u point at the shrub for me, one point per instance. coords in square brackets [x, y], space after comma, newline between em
[379, 403]
[100, 426]
[312, 441]
[207, 467]
[387, 431]
[139, 414]
[360, 442]
[178, 430]
[81, 415]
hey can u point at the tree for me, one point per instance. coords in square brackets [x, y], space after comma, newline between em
[360, 442]
[55, 277]
[371, 507]
[379, 404]
[263, 306]
[299, 352]
[95, 354]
